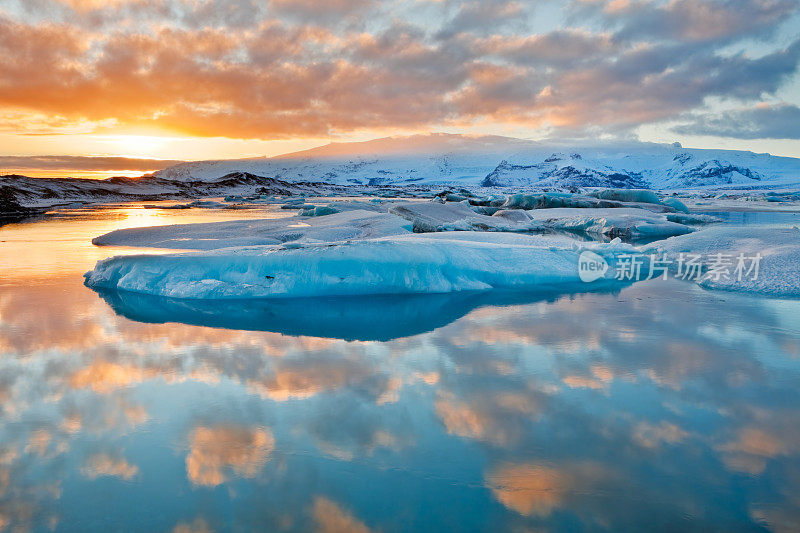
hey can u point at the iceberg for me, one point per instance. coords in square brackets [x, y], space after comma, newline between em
[675, 204]
[644, 196]
[778, 266]
[319, 211]
[552, 199]
[627, 223]
[353, 224]
[456, 216]
[402, 264]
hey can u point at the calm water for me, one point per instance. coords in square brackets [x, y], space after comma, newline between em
[662, 406]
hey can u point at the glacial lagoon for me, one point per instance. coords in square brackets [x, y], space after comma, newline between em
[657, 405]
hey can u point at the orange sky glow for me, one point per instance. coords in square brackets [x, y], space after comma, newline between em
[200, 79]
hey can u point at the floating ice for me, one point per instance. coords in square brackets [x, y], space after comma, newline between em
[355, 224]
[409, 264]
[778, 268]
[319, 211]
[455, 216]
[691, 218]
[551, 200]
[627, 195]
[675, 204]
[629, 223]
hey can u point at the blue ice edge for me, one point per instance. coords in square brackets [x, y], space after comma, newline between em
[413, 264]
[350, 318]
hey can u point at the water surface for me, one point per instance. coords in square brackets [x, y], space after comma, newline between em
[657, 406]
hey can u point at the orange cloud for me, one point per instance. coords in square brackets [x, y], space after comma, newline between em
[492, 418]
[751, 449]
[198, 525]
[535, 490]
[103, 376]
[103, 464]
[530, 490]
[299, 68]
[214, 451]
[331, 518]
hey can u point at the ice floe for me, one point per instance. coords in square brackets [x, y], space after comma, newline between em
[628, 223]
[403, 264]
[728, 255]
[459, 241]
[354, 224]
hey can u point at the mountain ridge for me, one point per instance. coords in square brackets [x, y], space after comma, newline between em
[449, 159]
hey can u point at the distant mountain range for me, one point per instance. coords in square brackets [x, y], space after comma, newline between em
[493, 161]
[23, 191]
[428, 161]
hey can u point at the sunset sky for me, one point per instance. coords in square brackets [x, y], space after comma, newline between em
[196, 79]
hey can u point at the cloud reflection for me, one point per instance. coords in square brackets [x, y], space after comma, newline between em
[216, 452]
[556, 410]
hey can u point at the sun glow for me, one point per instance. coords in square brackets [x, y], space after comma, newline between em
[135, 145]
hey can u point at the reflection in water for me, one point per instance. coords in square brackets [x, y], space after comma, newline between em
[364, 318]
[659, 404]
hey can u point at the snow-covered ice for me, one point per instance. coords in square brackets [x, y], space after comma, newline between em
[405, 264]
[472, 242]
[455, 216]
[629, 223]
[354, 224]
[778, 268]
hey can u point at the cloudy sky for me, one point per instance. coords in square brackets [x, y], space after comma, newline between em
[192, 79]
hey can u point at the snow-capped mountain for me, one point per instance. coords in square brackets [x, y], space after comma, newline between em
[427, 162]
[444, 159]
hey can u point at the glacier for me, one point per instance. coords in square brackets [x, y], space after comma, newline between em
[494, 161]
[421, 165]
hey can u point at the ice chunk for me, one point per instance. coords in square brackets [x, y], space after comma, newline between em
[319, 211]
[627, 195]
[552, 200]
[454, 216]
[691, 218]
[355, 224]
[375, 204]
[628, 223]
[410, 264]
[675, 204]
[778, 267]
